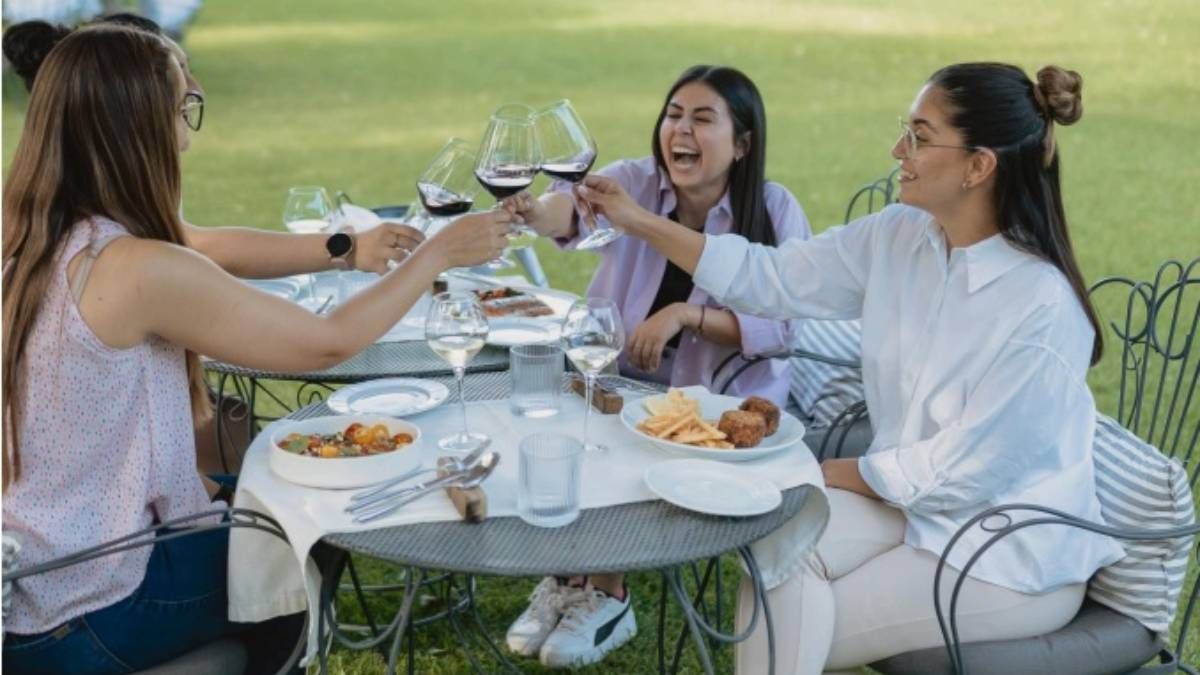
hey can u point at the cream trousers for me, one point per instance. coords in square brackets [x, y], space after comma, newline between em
[864, 596]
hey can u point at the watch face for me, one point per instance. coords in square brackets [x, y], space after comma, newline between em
[338, 244]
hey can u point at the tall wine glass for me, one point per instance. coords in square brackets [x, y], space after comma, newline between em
[308, 210]
[592, 337]
[455, 329]
[508, 158]
[447, 186]
[568, 152]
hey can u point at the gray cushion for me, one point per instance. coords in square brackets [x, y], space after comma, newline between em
[821, 390]
[223, 657]
[1097, 641]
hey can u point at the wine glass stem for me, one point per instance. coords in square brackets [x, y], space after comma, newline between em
[590, 380]
[462, 402]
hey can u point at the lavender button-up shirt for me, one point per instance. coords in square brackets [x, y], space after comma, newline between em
[631, 271]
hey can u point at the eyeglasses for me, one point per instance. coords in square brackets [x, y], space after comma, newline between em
[193, 110]
[910, 142]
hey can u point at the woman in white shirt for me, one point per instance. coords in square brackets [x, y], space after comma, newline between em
[977, 337]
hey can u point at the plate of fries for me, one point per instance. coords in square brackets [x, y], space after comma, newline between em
[685, 420]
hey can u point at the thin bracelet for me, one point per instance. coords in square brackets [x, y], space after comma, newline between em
[700, 326]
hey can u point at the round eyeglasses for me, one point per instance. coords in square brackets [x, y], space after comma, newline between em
[193, 110]
[910, 142]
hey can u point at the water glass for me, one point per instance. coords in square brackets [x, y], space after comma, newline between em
[550, 477]
[536, 377]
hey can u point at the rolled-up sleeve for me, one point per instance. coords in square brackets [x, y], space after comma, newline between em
[823, 277]
[1010, 427]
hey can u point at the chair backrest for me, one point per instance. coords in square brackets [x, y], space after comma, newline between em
[1150, 333]
[873, 196]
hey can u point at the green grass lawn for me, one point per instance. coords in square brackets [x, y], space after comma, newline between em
[359, 95]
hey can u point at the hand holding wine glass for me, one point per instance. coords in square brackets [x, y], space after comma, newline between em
[508, 158]
[592, 337]
[568, 153]
[455, 329]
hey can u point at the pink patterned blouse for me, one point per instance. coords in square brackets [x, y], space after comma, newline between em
[107, 448]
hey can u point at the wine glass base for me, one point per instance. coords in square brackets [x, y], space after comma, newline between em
[499, 264]
[462, 442]
[598, 238]
[595, 447]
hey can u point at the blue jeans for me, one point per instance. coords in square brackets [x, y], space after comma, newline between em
[180, 605]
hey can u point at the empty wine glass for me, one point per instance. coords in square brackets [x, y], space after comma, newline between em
[308, 210]
[592, 337]
[447, 186]
[455, 329]
[508, 158]
[568, 152]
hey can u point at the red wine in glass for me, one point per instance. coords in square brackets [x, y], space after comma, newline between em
[505, 180]
[439, 201]
[573, 170]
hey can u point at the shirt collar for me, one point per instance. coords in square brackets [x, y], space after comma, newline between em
[986, 260]
[666, 193]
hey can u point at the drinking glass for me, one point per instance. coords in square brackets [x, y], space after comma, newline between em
[308, 210]
[550, 479]
[455, 328]
[568, 152]
[447, 187]
[507, 159]
[592, 337]
[536, 377]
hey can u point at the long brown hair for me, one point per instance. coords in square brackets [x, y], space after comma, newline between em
[99, 140]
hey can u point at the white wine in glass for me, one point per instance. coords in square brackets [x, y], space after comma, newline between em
[308, 210]
[592, 338]
[455, 329]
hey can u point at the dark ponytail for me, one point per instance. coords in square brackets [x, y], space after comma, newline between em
[26, 45]
[996, 106]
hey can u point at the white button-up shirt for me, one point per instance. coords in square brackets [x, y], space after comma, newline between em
[974, 364]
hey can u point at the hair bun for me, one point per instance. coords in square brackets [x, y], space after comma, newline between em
[26, 45]
[1060, 94]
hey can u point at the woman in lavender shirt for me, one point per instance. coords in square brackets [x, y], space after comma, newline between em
[706, 173]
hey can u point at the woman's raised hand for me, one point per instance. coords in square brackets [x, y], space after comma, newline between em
[473, 239]
[607, 198]
[386, 241]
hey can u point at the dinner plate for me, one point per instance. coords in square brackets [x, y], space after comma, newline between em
[510, 331]
[790, 432]
[395, 397]
[285, 288]
[712, 487]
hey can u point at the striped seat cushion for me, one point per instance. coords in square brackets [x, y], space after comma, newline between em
[1141, 489]
[820, 390]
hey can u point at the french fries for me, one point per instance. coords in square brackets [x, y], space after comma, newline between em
[676, 418]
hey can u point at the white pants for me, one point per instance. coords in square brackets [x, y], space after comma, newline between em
[864, 596]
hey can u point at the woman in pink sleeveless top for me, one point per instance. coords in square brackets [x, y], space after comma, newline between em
[105, 311]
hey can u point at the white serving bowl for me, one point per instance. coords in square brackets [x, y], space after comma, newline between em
[343, 472]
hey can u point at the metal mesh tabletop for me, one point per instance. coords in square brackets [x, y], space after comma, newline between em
[645, 535]
[385, 359]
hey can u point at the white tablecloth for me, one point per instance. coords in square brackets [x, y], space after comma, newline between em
[265, 578]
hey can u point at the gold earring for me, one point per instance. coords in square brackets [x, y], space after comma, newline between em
[965, 186]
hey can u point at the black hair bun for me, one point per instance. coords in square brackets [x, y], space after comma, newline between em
[26, 45]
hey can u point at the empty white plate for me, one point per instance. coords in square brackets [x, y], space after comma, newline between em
[711, 487]
[286, 288]
[394, 397]
[510, 331]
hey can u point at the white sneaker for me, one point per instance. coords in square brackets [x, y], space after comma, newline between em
[590, 628]
[546, 603]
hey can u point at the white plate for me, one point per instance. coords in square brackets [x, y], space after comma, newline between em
[342, 472]
[712, 487]
[510, 331]
[285, 288]
[394, 397]
[790, 432]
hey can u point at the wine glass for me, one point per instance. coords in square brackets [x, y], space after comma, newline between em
[568, 152]
[308, 210]
[447, 187]
[592, 337]
[508, 158]
[455, 328]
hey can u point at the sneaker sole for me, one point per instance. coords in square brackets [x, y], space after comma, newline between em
[624, 632]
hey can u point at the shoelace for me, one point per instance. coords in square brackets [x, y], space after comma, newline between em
[550, 601]
[577, 612]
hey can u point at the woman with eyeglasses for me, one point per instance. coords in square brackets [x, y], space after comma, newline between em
[977, 337]
[106, 309]
[707, 174]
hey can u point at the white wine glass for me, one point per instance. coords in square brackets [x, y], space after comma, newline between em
[455, 329]
[592, 338]
[308, 210]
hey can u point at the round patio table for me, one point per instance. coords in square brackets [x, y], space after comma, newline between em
[652, 535]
